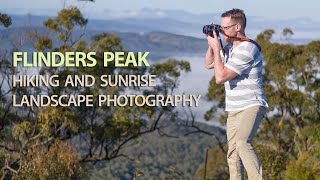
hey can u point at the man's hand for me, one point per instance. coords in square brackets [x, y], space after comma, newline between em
[222, 73]
[214, 43]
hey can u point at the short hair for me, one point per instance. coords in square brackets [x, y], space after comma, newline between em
[237, 15]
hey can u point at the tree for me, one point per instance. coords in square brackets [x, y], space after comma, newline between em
[5, 20]
[287, 33]
[81, 134]
[216, 167]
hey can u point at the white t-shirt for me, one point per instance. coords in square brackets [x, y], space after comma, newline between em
[246, 89]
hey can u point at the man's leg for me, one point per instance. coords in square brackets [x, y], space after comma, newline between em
[236, 169]
[250, 120]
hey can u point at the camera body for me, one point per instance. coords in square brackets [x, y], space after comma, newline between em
[208, 29]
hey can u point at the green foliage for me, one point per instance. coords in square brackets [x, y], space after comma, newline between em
[287, 31]
[67, 20]
[155, 156]
[5, 20]
[217, 167]
[20, 130]
[171, 68]
[43, 43]
[61, 161]
[41, 143]
[38, 143]
[168, 73]
[215, 92]
[52, 120]
[303, 169]
[291, 83]
[273, 161]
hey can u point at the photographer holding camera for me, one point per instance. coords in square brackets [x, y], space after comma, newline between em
[239, 66]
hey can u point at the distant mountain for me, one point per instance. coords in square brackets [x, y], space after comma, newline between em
[164, 44]
[159, 44]
[165, 32]
[136, 25]
[180, 22]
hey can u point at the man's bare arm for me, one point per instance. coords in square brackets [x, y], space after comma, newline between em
[209, 59]
[222, 73]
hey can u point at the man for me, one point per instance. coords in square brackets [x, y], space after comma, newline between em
[241, 73]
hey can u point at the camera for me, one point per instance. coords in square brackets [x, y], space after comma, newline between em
[208, 29]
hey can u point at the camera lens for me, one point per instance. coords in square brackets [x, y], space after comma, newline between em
[208, 29]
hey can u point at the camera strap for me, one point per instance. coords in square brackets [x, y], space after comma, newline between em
[252, 41]
[244, 39]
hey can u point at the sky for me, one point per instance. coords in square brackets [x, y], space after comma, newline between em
[274, 9]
